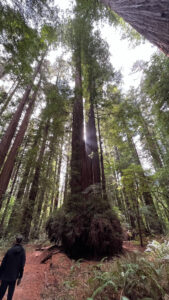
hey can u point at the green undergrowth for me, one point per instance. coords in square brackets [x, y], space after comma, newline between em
[133, 276]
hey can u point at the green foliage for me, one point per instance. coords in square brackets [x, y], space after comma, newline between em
[135, 276]
[158, 250]
[21, 42]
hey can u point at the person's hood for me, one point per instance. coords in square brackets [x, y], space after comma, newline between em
[17, 248]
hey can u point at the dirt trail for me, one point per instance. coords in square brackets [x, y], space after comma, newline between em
[34, 278]
[37, 276]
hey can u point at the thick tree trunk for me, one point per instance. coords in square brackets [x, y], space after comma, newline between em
[30, 204]
[78, 146]
[7, 138]
[9, 163]
[149, 17]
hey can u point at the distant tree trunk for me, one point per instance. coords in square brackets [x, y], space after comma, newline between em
[58, 175]
[9, 197]
[7, 138]
[66, 180]
[150, 18]
[9, 163]
[151, 143]
[43, 191]
[16, 212]
[92, 148]
[101, 154]
[77, 182]
[9, 97]
[146, 193]
[30, 204]
[129, 206]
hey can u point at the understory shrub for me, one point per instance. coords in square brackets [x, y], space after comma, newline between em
[133, 277]
[158, 250]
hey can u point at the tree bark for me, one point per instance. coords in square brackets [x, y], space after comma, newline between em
[101, 154]
[146, 192]
[15, 214]
[92, 148]
[77, 182]
[9, 163]
[58, 175]
[7, 138]
[151, 143]
[149, 17]
[30, 204]
[8, 99]
[9, 197]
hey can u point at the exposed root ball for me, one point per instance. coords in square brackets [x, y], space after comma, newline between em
[87, 234]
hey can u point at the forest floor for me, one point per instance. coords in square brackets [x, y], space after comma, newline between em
[38, 277]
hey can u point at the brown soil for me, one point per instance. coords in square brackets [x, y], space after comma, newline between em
[38, 277]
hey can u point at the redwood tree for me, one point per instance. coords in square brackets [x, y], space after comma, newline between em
[150, 18]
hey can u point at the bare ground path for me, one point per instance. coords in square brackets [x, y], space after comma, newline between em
[37, 276]
[34, 278]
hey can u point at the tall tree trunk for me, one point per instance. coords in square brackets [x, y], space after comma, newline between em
[151, 143]
[7, 138]
[30, 204]
[146, 192]
[92, 148]
[9, 197]
[8, 99]
[9, 163]
[150, 18]
[41, 197]
[77, 182]
[66, 180]
[129, 205]
[16, 212]
[101, 153]
[58, 175]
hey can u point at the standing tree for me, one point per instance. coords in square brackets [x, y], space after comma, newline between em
[86, 224]
[150, 18]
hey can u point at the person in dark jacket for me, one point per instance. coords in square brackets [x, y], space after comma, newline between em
[11, 269]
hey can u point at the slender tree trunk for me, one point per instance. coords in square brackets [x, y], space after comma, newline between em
[150, 18]
[30, 204]
[9, 163]
[43, 190]
[130, 208]
[101, 154]
[16, 212]
[8, 99]
[151, 143]
[9, 197]
[146, 193]
[92, 148]
[7, 138]
[58, 175]
[65, 197]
